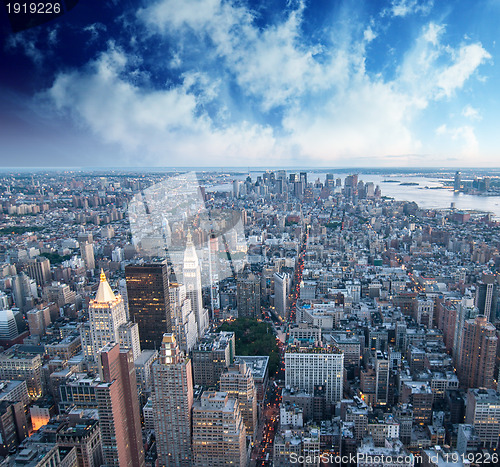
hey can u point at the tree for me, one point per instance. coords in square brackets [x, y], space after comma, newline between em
[254, 338]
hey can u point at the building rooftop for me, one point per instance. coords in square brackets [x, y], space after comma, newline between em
[214, 341]
[485, 396]
[81, 429]
[7, 386]
[418, 387]
[145, 356]
[329, 349]
[257, 364]
[104, 292]
[21, 352]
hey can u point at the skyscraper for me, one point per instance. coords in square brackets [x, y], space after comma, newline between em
[487, 295]
[281, 294]
[211, 356]
[87, 252]
[248, 296]
[192, 281]
[24, 290]
[106, 313]
[183, 320]
[172, 403]
[465, 310]
[108, 323]
[236, 188]
[382, 379]
[39, 269]
[8, 325]
[38, 320]
[308, 367]
[218, 431]
[483, 412]
[238, 382]
[478, 352]
[118, 407]
[148, 302]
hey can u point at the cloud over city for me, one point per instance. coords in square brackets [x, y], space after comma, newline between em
[211, 82]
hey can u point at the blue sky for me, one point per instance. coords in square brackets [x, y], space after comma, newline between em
[240, 83]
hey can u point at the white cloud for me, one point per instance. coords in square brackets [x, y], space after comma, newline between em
[463, 137]
[469, 57]
[271, 64]
[328, 106]
[197, 14]
[95, 29]
[433, 32]
[163, 126]
[441, 130]
[351, 113]
[368, 119]
[432, 70]
[26, 41]
[369, 34]
[472, 113]
[406, 7]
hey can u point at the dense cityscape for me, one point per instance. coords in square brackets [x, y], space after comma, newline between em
[249, 234]
[245, 318]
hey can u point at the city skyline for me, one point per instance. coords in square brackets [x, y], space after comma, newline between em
[393, 83]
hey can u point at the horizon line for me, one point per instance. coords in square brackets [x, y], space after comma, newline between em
[246, 168]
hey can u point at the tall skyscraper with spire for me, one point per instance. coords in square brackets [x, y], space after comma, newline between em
[108, 323]
[192, 281]
[172, 403]
[183, 319]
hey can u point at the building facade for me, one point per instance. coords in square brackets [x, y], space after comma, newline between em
[248, 296]
[191, 274]
[211, 356]
[478, 354]
[483, 413]
[238, 382]
[309, 367]
[149, 302]
[118, 407]
[218, 431]
[172, 404]
[108, 322]
[183, 317]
